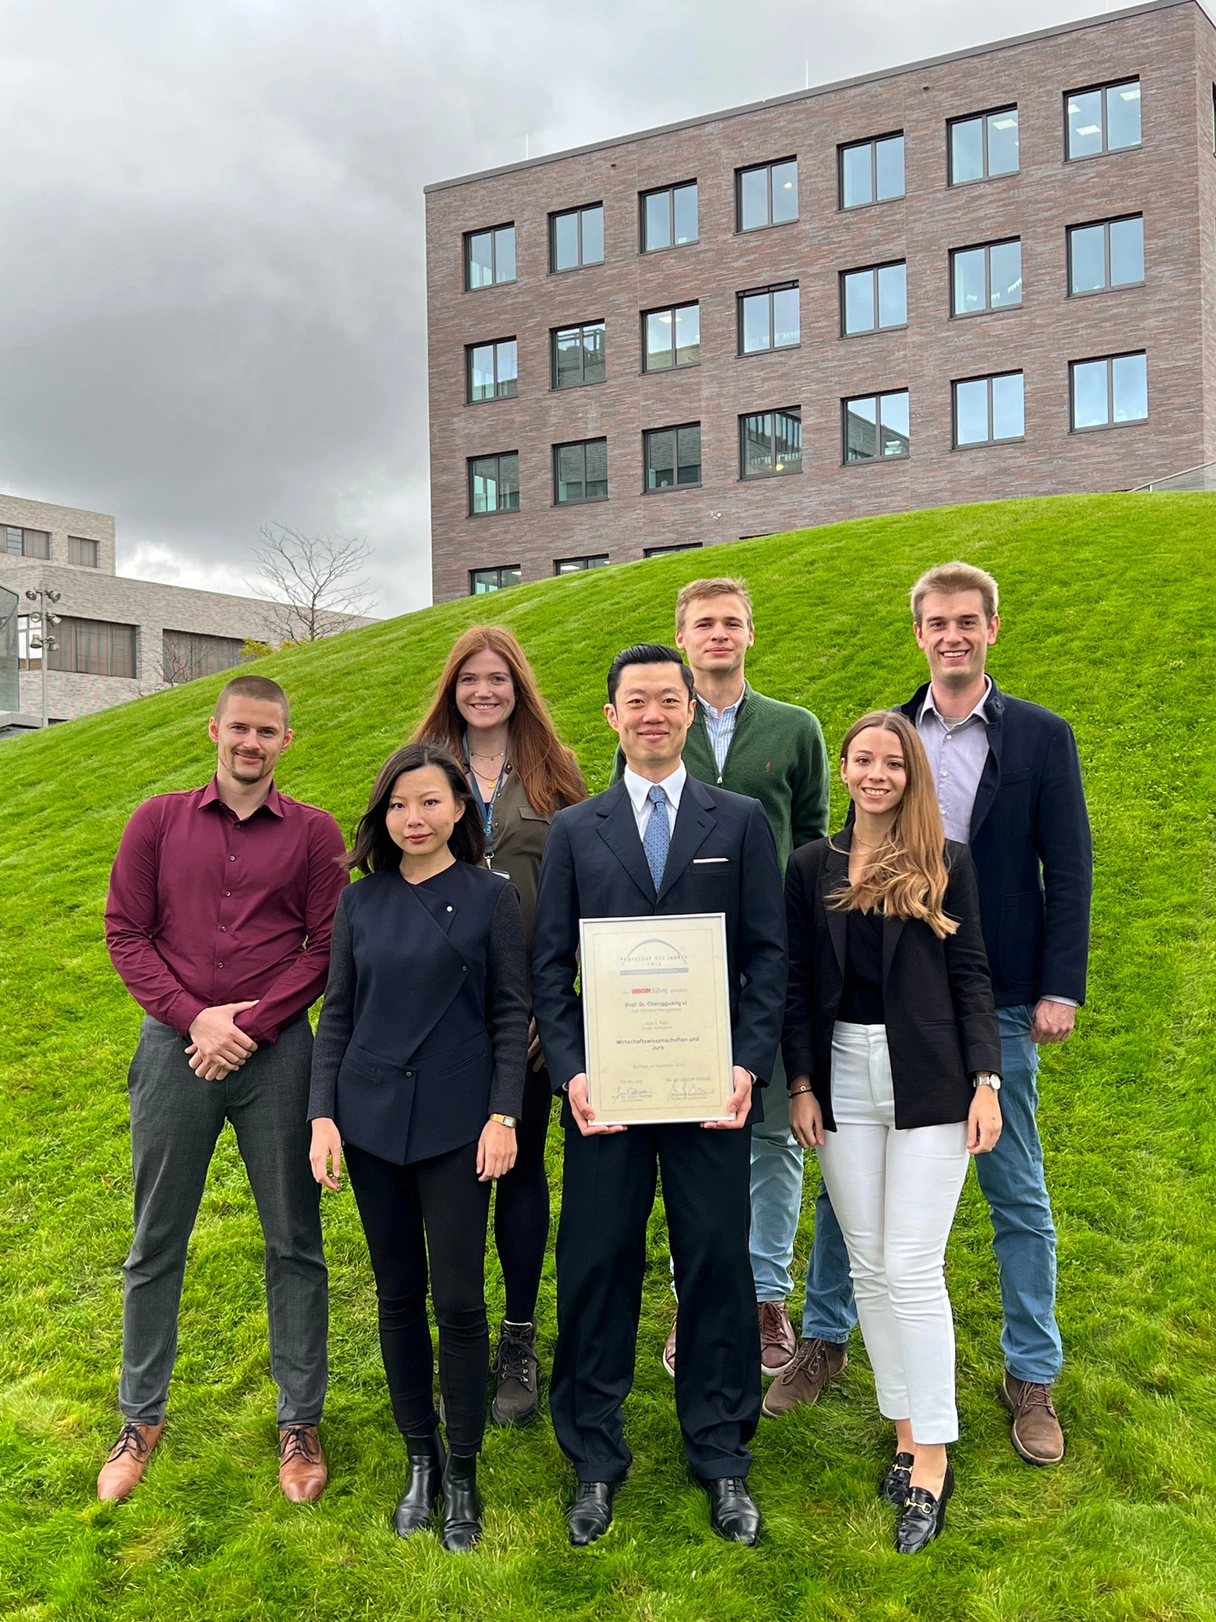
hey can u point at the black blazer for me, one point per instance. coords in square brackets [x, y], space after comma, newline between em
[937, 995]
[1033, 854]
[722, 859]
[424, 1031]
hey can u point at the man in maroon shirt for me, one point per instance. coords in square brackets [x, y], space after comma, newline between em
[218, 920]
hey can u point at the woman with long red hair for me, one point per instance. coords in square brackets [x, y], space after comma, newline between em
[488, 711]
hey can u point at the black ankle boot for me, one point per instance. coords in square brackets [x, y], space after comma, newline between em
[424, 1486]
[461, 1505]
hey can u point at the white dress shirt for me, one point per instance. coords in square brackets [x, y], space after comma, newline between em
[638, 788]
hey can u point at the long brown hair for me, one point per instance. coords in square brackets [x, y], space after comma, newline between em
[906, 875]
[373, 851]
[548, 770]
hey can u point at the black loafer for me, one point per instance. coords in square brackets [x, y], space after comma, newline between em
[895, 1484]
[922, 1517]
[425, 1484]
[732, 1510]
[590, 1513]
[461, 1506]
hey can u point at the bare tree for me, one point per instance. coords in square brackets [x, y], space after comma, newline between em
[314, 581]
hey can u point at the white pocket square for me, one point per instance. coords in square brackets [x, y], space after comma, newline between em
[704, 861]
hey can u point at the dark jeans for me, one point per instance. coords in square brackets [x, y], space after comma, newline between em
[437, 1207]
[521, 1203]
[175, 1122]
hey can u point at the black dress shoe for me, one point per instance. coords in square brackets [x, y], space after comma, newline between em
[922, 1517]
[732, 1510]
[461, 1506]
[422, 1490]
[590, 1513]
[895, 1484]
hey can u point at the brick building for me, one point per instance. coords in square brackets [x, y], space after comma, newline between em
[991, 274]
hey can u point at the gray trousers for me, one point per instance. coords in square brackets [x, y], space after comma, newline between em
[176, 1120]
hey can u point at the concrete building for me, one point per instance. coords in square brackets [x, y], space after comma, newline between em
[117, 638]
[987, 275]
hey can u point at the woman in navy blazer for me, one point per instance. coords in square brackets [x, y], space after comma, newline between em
[418, 1075]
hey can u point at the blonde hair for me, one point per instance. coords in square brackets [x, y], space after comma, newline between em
[721, 586]
[950, 578]
[906, 876]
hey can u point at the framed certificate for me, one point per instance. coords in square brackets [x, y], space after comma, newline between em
[656, 1017]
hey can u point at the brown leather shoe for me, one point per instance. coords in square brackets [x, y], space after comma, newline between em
[1036, 1432]
[302, 1472]
[814, 1364]
[778, 1343]
[669, 1351]
[126, 1461]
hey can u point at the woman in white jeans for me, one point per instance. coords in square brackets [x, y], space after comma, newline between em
[891, 1045]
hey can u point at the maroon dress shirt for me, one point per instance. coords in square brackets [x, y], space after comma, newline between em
[205, 909]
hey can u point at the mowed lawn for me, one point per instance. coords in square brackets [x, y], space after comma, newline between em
[1108, 618]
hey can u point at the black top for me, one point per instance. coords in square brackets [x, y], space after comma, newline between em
[424, 1031]
[861, 999]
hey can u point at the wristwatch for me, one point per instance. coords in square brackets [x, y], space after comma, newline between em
[985, 1078]
[506, 1120]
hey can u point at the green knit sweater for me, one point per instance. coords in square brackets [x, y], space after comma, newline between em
[777, 756]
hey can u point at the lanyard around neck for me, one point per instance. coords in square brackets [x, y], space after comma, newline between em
[487, 810]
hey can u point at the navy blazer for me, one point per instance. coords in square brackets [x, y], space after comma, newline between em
[424, 1030]
[1033, 854]
[722, 858]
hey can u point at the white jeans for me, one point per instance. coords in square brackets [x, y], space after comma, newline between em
[895, 1194]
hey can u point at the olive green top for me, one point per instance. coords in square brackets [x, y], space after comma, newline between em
[519, 843]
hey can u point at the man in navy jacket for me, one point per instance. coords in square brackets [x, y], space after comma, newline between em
[1008, 780]
[658, 843]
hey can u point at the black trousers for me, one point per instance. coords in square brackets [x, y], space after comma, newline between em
[521, 1202]
[434, 1207]
[608, 1190]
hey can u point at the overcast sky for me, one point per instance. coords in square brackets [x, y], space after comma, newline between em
[212, 310]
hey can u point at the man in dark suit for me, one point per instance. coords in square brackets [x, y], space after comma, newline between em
[658, 843]
[1008, 780]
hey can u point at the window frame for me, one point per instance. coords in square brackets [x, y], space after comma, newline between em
[1102, 88]
[658, 191]
[177, 673]
[492, 456]
[498, 569]
[676, 364]
[44, 535]
[580, 565]
[982, 118]
[1109, 362]
[988, 309]
[762, 292]
[494, 344]
[878, 396]
[676, 546]
[1108, 286]
[675, 428]
[989, 378]
[495, 280]
[767, 168]
[563, 214]
[84, 540]
[571, 444]
[873, 143]
[872, 270]
[774, 473]
[584, 381]
[56, 657]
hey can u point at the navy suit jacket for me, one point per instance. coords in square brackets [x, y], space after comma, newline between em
[594, 867]
[1033, 855]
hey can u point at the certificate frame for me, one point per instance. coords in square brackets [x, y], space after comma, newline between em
[656, 1018]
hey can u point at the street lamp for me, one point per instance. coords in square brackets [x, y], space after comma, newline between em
[44, 638]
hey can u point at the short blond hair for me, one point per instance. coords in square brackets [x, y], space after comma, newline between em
[950, 578]
[723, 585]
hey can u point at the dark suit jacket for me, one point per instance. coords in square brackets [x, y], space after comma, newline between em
[1033, 855]
[594, 867]
[937, 996]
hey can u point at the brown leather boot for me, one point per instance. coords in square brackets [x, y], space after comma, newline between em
[302, 1472]
[1036, 1432]
[126, 1461]
[814, 1364]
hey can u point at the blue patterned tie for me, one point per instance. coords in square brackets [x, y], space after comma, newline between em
[657, 837]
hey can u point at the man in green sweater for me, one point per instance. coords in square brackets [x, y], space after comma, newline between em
[774, 752]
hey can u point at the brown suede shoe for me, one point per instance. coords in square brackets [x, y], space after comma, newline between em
[302, 1472]
[1036, 1433]
[126, 1461]
[814, 1364]
[669, 1351]
[778, 1343]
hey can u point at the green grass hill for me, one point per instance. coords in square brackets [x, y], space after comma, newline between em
[1108, 619]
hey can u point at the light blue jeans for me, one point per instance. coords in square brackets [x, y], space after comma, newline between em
[1024, 1235]
[776, 1193]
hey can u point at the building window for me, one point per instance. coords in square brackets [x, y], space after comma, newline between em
[87, 553]
[494, 483]
[768, 319]
[987, 278]
[576, 238]
[877, 427]
[872, 171]
[1108, 254]
[1110, 391]
[770, 442]
[90, 648]
[672, 337]
[984, 146]
[580, 472]
[27, 543]
[489, 257]
[483, 580]
[873, 299]
[1105, 118]
[673, 456]
[186, 655]
[666, 551]
[989, 410]
[493, 370]
[577, 565]
[767, 195]
[578, 355]
[669, 217]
